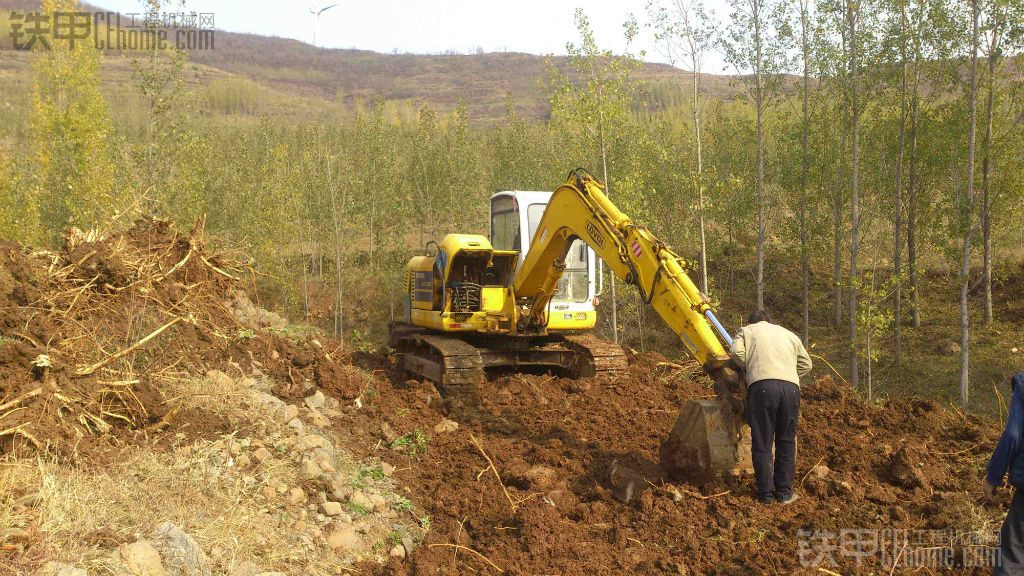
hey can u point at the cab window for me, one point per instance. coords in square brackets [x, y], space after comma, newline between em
[574, 285]
[504, 223]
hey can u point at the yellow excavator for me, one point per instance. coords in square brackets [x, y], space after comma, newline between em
[526, 296]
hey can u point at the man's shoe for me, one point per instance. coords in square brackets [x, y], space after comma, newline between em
[766, 499]
[788, 498]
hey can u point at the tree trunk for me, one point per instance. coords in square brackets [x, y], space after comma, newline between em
[805, 264]
[965, 265]
[854, 192]
[837, 243]
[986, 177]
[700, 173]
[608, 191]
[897, 245]
[912, 183]
[759, 102]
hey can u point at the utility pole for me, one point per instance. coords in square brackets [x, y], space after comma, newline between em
[316, 18]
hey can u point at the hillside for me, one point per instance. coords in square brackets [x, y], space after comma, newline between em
[481, 80]
[291, 68]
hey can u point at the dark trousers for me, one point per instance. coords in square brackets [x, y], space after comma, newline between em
[772, 410]
[1011, 539]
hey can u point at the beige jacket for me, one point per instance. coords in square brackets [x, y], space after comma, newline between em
[768, 351]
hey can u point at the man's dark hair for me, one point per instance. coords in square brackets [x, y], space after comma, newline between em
[758, 316]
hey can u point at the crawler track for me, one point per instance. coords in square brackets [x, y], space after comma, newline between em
[452, 359]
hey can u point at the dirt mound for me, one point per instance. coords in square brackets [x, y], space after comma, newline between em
[908, 465]
[92, 333]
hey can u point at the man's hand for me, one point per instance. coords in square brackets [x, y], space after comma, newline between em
[990, 492]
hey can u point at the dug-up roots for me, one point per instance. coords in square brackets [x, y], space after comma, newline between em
[89, 331]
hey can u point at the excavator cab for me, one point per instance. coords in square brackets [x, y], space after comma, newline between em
[515, 216]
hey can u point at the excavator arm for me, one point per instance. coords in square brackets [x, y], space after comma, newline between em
[580, 209]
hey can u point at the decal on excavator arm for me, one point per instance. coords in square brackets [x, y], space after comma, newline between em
[595, 233]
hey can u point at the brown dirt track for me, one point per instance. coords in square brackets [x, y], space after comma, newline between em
[911, 464]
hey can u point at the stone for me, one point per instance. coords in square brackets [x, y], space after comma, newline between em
[387, 468]
[60, 569]
[310, 470]
[296, 496]
[296, 425]
[820, 471]
[316, 418]
[314, 441]
[340, 487]
[288, 413]
[446, 425]
[142, 559]
[217, 379]
[330, 508]
[243, 461]
[359, 499]
[181, 554]
[626, 482]
[263, 383]
[234, 448]
[344, 538]
[316, 401]
[326, 467]
[261, 454]
[397, 551]
[380, 503]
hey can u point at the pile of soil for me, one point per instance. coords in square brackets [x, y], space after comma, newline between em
[90, 332]
[907, 465]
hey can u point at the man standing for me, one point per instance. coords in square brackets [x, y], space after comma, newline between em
[1008, 457]
[773, 359]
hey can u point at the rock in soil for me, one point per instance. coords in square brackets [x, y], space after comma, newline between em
[331, 508]
[445, 426]
[626, 482]
[142, 559]
[361, 500]
[344, 538]
[316, 401]
[181, 554]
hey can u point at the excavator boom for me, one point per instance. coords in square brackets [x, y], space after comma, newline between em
[580, 209]
[708, 439]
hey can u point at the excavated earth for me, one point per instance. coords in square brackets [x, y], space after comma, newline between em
[864, 469]
[512, 474]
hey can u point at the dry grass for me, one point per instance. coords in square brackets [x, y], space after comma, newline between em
[80, 513]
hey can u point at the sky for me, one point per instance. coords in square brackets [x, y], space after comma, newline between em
[436, 26]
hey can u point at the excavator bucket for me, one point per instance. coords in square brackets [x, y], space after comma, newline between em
[709, 441]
